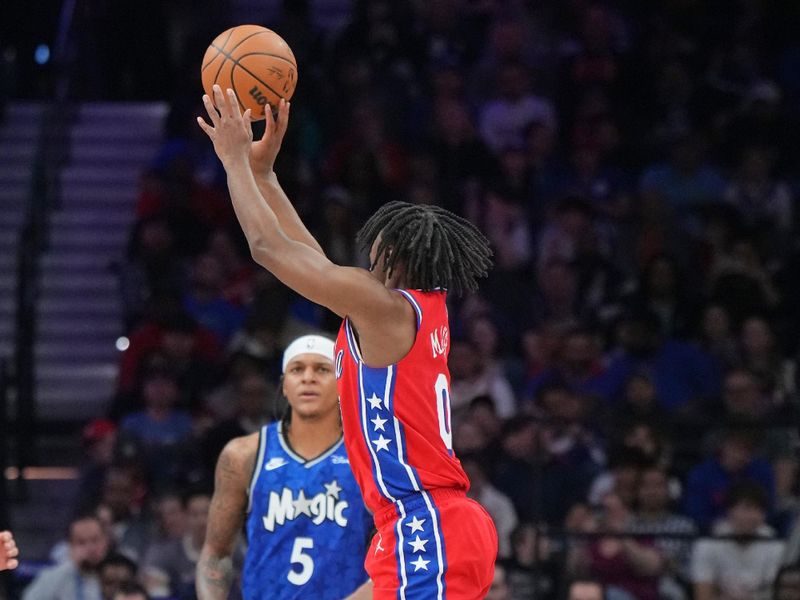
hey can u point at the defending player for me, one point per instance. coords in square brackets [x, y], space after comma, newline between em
[8, 551]
[292, 486]
[391, 361]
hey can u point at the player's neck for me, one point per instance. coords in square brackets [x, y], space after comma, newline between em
[311, 437]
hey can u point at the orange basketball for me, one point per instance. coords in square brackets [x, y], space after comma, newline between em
[255, 62]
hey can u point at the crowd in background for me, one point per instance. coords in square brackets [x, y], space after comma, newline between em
[630, 364]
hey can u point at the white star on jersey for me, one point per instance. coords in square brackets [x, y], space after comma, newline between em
[416, 524]
[418, 544]
[379, 423]
[381, 443]
[332, 489]
[302, 506]
[420, 563]
[374, 401]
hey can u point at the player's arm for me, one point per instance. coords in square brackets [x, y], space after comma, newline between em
[346, 291]
[214, 574]
[262, 160]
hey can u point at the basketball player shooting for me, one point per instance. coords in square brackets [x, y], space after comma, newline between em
[391, 360]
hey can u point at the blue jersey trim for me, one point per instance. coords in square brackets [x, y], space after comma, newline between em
[262, 447]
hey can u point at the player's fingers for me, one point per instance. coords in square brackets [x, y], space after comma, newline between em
[247, 118]
[12, 552]
[221, 102]
[205, 127]
[283, 117]
[211, 110]
[233, 104]
[12, 564]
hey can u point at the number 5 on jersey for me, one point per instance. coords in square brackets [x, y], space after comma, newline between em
[305, 561]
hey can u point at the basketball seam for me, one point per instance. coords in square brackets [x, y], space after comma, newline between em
[278, 56]
[230, 33]
[249, 72]
[233, 87]
[243, 40]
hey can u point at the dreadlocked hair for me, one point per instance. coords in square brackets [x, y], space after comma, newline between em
[436, 248]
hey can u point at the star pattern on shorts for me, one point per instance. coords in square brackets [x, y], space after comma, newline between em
[379, 423]
[420, 563]
[418, 544]
[416, 524]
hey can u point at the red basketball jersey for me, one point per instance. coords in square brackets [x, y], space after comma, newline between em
[396, 419]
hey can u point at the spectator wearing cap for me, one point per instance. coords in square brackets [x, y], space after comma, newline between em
[739, 568]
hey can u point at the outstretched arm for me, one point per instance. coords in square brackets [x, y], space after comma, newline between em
[8, 551]
[384, 318]
[262, 160]
[214, 574]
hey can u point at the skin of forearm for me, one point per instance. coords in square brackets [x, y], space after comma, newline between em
[258, 221]
[214, 576]
[644, 560]
[287, 216]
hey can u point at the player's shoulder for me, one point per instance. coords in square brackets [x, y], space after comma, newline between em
[240, 453]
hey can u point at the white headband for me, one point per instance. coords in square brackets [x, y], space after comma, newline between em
[308, 344]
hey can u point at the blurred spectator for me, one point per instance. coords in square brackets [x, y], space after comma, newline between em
[169, 516]
[99, 439]
[716, 336]
[534, 568]
[632, 565]
[120, 510]
[739, 568]
[504, 119]
[787, 583]
[238, 272]
[178, 341]
[77, 578]
[471, 377]
[578, 365]
[152, 270]
[540, 486]
[495, 502]
[557, 302]
[621, 478]
[499, 589]
[253, 400]
[761, 354]
[169, 568]
[709, 483]
[586, 589]
[687, 181]
[160, 427]
[131, 591]
[683, 375]
[205, 300]
[115, 571]
[655, 518]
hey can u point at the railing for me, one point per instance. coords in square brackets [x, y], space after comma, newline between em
[43, 194]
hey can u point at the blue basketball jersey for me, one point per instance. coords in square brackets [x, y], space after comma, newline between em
[307, 525]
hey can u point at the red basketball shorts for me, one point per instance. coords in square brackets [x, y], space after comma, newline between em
[435, 545]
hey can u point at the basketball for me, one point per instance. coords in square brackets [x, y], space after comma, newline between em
[255, 62]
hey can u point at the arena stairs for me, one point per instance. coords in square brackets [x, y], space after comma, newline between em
[79, 312]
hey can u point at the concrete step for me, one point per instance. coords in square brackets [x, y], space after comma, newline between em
[99, 328]
[94, 175]
[105, 194]
[87, 238]
[95, 132]
[11, 174]
[75, 306]
[121, 111]
[74, 351]
[55, 405]
[75, 260]
[19, 131]
[14, 194]
[124, 154]
[115, 218]
[23, 111]
[18, 152]
[78, 283]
